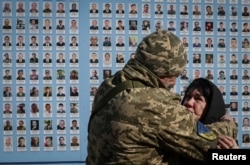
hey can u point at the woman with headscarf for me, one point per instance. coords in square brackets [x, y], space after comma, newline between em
[205, 101]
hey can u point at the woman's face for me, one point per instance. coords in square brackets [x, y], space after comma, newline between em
[195, 103]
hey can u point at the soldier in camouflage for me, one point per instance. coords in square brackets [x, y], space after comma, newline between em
[137, 119]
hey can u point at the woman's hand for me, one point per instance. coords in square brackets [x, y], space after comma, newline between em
[227, 142]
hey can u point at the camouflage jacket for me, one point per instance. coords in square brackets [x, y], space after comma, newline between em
[145, 126]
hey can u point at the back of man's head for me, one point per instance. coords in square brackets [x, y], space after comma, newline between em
[163, 53]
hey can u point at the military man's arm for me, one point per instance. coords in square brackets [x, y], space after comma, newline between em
[224, 127]
[188, 137]
[181, 133]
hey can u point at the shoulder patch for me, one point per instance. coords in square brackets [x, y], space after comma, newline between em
[204, 132]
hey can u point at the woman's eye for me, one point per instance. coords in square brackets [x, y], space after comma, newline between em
[199, 98]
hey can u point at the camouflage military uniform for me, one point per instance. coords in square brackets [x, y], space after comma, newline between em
[147, 125]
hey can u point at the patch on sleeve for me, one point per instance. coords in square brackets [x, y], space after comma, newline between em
[204, 132]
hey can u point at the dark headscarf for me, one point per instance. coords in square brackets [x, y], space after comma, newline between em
[215, 107]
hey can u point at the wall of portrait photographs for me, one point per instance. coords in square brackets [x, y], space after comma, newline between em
[42, 115]
[56, 53]
[215, 33]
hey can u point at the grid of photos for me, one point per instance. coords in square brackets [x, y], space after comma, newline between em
[216, 37]
[41, 60]
[40, 95]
